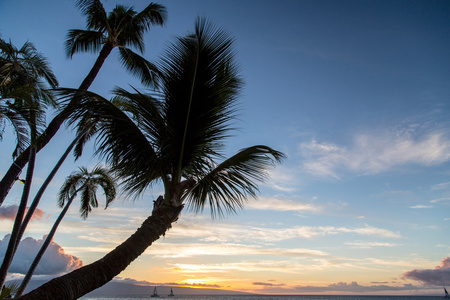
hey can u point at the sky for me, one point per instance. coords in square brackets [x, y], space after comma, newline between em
[355, 93]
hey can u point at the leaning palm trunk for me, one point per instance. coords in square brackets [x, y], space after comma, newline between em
[44, 186]
[17, 236]
[90, 277]
[44, 246]
[9, 254]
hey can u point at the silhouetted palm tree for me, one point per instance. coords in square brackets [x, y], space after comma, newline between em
[21, 74]
[86, 183]
[121, 28]
[175, 138]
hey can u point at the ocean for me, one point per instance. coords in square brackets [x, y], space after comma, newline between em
[266, 297]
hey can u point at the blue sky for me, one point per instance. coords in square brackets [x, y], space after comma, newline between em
[356, 93]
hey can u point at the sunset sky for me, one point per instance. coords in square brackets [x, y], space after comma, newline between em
[355, 93]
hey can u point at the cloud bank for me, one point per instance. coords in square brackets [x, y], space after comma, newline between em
[353, 287]
[55, 261]
[439, 276]
[8, 212]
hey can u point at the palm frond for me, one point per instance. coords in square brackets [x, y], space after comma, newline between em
[20, 128]
[145, 110]
[95, 12]
[86, 129]
[8, 290]
[139, 66]
[153, 14]
[123, 145]
[71, 186]
[226, 186]
[201, 84]
[83, 41]
[41, 67]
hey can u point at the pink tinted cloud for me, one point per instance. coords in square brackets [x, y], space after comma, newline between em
[440, 275]
[55, 260]
[8, 212]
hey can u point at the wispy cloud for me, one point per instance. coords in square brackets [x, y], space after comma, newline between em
[227, 232]
[369, 245]
[446, 199]
[370, 154]
[420, 206]
[283, 266]
[441, 186]
[168, 250]
[274, 204]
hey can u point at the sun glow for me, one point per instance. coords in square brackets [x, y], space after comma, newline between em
[200, 283]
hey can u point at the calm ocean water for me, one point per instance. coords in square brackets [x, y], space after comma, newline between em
[272, 297]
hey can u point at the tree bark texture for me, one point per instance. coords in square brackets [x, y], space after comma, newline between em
[19, 163]
[90, 277]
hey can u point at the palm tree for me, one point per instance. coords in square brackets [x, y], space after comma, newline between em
[175, 138]
[121, 28]
[22, 71]
[83, 182]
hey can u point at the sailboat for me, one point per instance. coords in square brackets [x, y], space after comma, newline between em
[155, 294]
[447, 296]
[171, 293]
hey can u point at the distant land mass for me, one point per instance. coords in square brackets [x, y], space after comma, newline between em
[120, 288]
[114, 288]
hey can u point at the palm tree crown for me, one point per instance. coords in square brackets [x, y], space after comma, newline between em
[87, 183]
[23, 94]
[177, 136]
[123, 27]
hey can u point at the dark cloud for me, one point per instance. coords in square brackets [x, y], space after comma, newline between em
[439, 276]
[268, 284]
[8, 212]
[55, 260]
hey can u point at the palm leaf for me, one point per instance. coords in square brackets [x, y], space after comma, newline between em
[119, 140]
[139, 66]
[153, 14]
[20, 128]
[95, 13]
[200, 84]
[83, 41]
[226, 186]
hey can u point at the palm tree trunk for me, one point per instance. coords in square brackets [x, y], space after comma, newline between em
[104, 53]
[41, 252]
[14, 170]
[90, 277]
[44, 186]
[18, 220]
